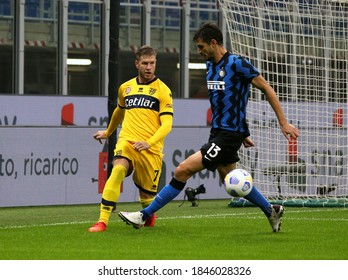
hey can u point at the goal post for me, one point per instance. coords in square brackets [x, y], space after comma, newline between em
[301, 48]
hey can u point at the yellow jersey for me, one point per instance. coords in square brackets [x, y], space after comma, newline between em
[144, 104]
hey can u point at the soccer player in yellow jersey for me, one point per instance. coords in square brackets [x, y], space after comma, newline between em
[145, 109]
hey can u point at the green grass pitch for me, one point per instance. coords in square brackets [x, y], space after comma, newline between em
[211, 231]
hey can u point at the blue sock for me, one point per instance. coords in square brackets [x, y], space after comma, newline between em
[258, 199]
[167, 194]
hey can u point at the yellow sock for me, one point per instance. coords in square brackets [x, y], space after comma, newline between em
[145, 201]
[111, 192]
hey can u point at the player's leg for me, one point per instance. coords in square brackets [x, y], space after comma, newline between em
[111, 194]
[254, 196]
[145, 201]
[273, 213]
[208, 157]
[182, 173]
[122, 167]
[112, 189]
[230, 143]
[146, 177]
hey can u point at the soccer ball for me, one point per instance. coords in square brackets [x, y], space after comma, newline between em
[238, 183]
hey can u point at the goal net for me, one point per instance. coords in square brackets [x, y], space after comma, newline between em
[301, 48]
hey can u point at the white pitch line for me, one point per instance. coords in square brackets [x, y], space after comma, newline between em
[226, 215]
[46, 225]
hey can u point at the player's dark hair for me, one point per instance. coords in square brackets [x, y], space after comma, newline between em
[207, 32]
[145, 50]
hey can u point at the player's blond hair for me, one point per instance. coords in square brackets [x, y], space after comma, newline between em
[145, 50]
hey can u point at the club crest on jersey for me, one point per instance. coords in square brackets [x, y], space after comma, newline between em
[222, 72]
[128, 90]
[152, 91]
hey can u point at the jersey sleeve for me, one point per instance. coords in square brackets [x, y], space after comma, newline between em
[163, 131]
[245, 69]
[166, 101]
[165, 114]
[118, 114]
[120, 96]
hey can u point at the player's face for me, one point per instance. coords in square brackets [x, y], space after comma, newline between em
[146, 66]
[204, 49]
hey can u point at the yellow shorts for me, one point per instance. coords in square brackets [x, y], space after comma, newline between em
[147, 166]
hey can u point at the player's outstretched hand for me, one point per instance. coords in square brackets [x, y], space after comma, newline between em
[290, 131]
[99, 136]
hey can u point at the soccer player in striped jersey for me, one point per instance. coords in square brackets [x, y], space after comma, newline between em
[229, 77]
[145, 108]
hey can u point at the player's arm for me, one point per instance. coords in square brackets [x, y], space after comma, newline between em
[164, 129]
[116, 119]
[288, 130]
[160, 134]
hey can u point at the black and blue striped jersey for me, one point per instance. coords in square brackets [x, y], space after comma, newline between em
[228, 83]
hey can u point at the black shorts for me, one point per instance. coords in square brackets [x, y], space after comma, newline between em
[222, 148]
